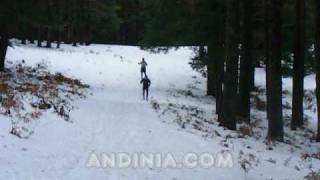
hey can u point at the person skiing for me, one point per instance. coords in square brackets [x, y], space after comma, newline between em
[143, 70]
[145, 87]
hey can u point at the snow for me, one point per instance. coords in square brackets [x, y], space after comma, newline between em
[113, 118]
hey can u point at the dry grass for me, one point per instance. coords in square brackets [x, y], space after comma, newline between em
[27, 92]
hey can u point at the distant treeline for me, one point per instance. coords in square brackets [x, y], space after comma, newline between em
[73, 21]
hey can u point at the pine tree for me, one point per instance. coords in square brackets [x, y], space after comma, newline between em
[317, 59]
[274, 88]
[298, 66]
[267, 43]
[246, 66]
[4, 42]
[219, 74]
[231, 74]
[8, 26]
[132, 24]
[211, 79]
[49, 24]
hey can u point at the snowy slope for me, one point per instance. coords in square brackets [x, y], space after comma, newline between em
[114, 118]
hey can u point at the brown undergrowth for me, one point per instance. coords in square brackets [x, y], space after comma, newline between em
[26, 93]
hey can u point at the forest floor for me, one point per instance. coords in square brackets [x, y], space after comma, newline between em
[60, 105]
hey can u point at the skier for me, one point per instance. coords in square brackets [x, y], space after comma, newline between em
[144, 65]
[145, 87]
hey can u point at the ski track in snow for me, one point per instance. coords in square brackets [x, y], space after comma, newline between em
[113, 118]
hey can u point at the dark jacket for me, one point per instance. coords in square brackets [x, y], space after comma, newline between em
[145, 83]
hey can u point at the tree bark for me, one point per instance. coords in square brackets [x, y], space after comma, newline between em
[275, 130]
[88, 26]
[4, 42]
[74, 37]
[219, 74]
[298, 66]
[252, 75]
[317, 59]
[59, 39]
[31, 33]
[211, 79]
[88, 36]
[246, 66]
[39, 37]
[267, 49]
[231, 76]
[48, 38]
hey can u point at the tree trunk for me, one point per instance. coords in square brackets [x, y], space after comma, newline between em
[298, 67]
[210, 76]
[74, 37]
[210, 69]
[32, 35]
[231, 76]
[88, 26]
[275, 130]
[88, 36]
[317, 50]
[48, 38]
[39, 38]
[219, 74]
[267, 49]
[59, 39]
[252, 75]
[246, 67]
[4, 42]
[23, 41]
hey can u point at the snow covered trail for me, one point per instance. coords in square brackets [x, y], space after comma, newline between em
[113, 119]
